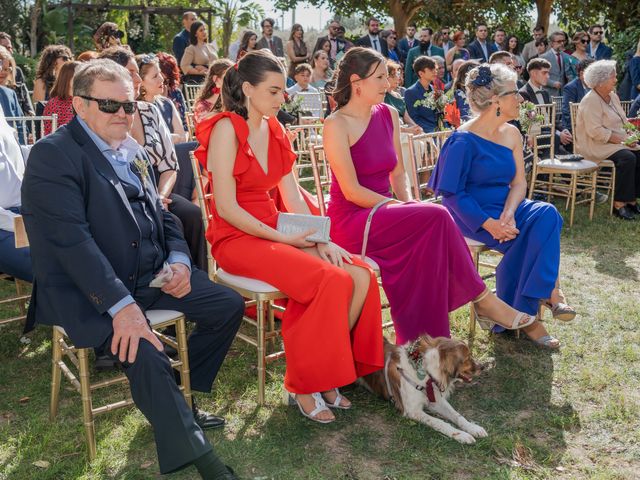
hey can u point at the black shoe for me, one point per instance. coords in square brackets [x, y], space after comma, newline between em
[625, 213]
[206, 420]
[104, 363]
[635, 208]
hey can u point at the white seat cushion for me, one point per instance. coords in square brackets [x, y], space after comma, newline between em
[247, 283]
[473, 243]
[160, 316]
[553, 163]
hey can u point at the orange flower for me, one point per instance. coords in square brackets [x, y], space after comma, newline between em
[452, 114]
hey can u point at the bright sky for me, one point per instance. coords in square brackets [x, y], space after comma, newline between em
[306, 15]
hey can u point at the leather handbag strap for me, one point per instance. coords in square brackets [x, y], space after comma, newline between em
[367, 226]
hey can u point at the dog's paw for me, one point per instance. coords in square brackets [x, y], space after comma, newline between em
[476, 430]
[463, 437]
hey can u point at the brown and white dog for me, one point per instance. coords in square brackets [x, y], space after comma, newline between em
[422, 374]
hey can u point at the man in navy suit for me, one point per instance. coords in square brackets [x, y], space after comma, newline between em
[11, 108]
[98, 235]
[407, 42]
[426, 70]
[373, 38]
[480, 49]
[573, 92]
[595, 48]
[181, 40]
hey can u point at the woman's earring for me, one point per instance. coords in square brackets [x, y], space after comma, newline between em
[498, 111]
[358, 92]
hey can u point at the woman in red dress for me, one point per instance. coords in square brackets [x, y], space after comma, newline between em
[332, 325]
[61, 96]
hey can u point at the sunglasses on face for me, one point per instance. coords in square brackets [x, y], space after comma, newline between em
[599, 32]
[106, 105]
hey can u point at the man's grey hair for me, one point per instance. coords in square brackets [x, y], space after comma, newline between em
[599, 72]
[101, 69]
[479, 96]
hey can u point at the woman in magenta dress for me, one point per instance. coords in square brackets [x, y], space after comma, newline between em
[426, 267]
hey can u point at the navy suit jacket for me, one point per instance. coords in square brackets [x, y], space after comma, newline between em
[11, 107]
[476, 52]
[572, 93]
[83, 235]
[180, 42]
[366, 42]
[403, 48]
[423, 116]
[603, 52]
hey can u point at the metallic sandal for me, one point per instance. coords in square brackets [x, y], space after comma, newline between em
[337, 403]
[545, 342]
[487, 324]
[560, 311]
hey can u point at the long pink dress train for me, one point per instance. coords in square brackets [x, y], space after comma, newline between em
[426, 267]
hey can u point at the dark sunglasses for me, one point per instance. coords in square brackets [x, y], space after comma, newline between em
[599, 32]
[106, 105]
[584, 40]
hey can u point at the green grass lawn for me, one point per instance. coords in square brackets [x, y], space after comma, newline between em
[572, 414]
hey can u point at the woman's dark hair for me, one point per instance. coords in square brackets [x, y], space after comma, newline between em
[250, 68]
[62, 86]
[359, 61]
[517, 49]
[461, 76]
[120, 55]
[294, 28]
[217, 69]
[47, 63]
[244, 42]
[145, 61]
[170, 70]
[195, 26]
[321, 45]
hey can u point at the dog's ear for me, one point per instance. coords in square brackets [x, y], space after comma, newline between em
[452, 356]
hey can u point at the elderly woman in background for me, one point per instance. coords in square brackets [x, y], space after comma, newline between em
[198, 55]
[600, 134]
[51, 60]
[209, 102]
[8, 71]
[61, 97]
[107, 35]
[296, 48]
[171, 73]
[393, 98]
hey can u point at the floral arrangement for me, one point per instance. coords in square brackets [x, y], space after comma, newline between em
[633, 132]
[528, 116]
[292, 104]
[440, 102]
[142, 168]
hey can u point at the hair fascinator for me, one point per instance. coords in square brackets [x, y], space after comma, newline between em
[484, 77]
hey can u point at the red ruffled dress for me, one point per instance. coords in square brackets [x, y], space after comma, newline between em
[321, 351]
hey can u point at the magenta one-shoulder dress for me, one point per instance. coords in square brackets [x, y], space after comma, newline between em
[426, 267]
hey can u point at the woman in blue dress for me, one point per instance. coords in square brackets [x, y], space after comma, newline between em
[480, 175]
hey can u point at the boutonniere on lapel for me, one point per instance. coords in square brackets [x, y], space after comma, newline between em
[143, 168]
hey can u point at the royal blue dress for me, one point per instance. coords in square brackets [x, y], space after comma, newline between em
[473, 176]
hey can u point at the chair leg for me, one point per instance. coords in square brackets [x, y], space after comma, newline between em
[472, 313]
[272, 324]
[612, 188]
[21, 303]
[56, 373]
[592, 203]
[87, 409]
[572, 198]
[183, 354]
[260, 307]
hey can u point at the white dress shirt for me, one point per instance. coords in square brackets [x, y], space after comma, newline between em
[11, 172]
[538, 92]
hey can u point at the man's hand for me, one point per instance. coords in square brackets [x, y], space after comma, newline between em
[180, 284]
[566, 137]
[557, 85]
[129, 326]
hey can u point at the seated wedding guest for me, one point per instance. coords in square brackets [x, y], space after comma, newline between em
[151, 91]
[8, 78]
[458, 51]
[13, 261]
[513, 47]
[209, 102]
[393, 98]
[426, 70]
[321, 72]
[151, 132]
[601, 134]
[51, 60]
[574, 92]
[107, 35]
[181, 40]
[60, 102]
[391, 38]
[332, 325]
[302, 76]
[424, 261]
[84, 241]
[440, 81]
[247, 43]
[296, 48]
[171, 73]
[460, 91]
[198, 55]
[480, 174]
[424, 48]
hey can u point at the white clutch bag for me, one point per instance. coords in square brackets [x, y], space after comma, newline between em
[293, 223]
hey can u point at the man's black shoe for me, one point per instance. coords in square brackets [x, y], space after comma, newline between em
[624, 213]
[206, 420]
[635, 208]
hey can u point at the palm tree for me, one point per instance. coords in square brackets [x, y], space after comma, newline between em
[232, 13]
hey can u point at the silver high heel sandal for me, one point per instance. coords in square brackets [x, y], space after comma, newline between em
[486, 323]
[320, 406]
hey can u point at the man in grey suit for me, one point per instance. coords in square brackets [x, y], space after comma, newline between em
[269, 40]
[560, 73]
[530, 51]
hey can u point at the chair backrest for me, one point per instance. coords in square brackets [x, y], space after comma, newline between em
[626, 106]
[31, 129]
[557, 101]
[424, 150]
[204, 200]
[311, 103]
[191, 126]
[191, 92]
[321, 175]
[305, 137]
[544, 141]
[573, 111]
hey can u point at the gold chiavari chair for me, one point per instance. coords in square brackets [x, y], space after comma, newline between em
[31, 129]
[312, 104]
[626, 106]
[191, 92]
[21, 296]
[606, 179]
[424, 150]
[306, 135]
[554, 178]
[259, 294]
[79, 357]
[191, 126]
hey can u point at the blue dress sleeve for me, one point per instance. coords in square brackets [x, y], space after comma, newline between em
[449, 179]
